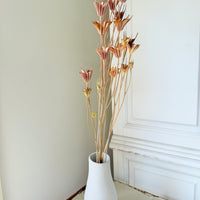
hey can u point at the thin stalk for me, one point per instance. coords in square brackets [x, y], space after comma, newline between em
[93, 124]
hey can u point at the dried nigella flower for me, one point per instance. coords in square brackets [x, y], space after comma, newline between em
[125, 41]
[133, 40]
[117, 51]
[86, 75]
[100, 8]
[102, 29]
[125, 68]
[103, 53]
[120, 24]
[114, 71]
[119, 21]
[131, 46]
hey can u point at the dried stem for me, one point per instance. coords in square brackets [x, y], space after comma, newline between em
[113, 85]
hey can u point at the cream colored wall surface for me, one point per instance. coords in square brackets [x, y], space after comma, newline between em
[44, 139]
[1, 197]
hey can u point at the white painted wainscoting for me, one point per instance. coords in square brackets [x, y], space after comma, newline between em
[156, 141]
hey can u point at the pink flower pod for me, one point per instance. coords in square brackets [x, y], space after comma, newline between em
[103, 53]
[100, 7]
[86, 75]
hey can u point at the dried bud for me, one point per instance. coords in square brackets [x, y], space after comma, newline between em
[125, 68]
[131, 65]
[87, 92]
[114, 71]
[94, 115]
[125, 41]
[98, 86]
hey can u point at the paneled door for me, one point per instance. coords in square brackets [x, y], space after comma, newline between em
[156, 141]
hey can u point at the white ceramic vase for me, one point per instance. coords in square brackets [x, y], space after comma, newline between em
[100, 185]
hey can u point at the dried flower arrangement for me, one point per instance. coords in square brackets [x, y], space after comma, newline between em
[114, 77]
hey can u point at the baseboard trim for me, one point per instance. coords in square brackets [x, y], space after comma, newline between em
[78, 192]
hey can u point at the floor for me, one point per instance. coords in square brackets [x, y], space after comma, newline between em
[126, 193]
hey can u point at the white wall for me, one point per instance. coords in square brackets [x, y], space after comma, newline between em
[1, 195]
[44, 140]
[157, 137]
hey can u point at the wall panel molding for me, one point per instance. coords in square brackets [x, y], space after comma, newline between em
[171, 180]
[156, 141]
